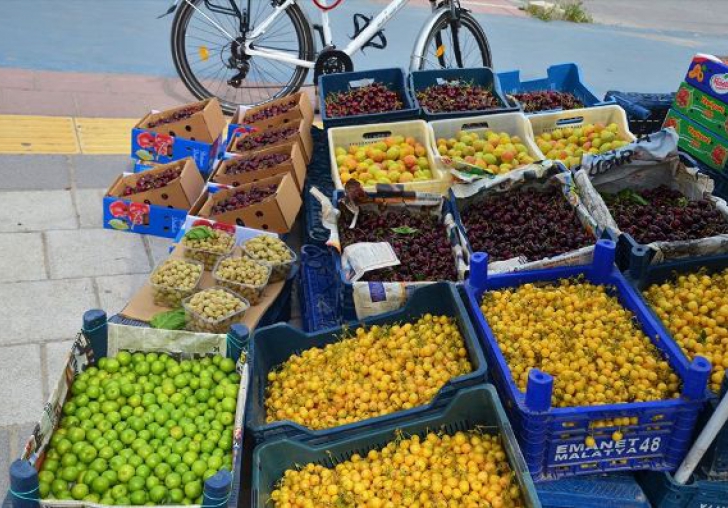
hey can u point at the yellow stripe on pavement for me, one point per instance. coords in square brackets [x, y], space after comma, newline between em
[21, 134]
[105, 136]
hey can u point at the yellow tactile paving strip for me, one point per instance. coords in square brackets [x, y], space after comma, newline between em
[21, 134]
[104, 136]
[38, 135]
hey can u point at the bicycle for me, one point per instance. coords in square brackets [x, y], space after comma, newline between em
[233, 39]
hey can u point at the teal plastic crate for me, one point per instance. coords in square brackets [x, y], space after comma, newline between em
[475, 407]
[273, 345]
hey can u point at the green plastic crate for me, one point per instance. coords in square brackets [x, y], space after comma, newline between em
[475, 407]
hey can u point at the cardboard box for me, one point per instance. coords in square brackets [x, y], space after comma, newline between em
[698, 141]
[302, 111]
[709, 74]
[199, 137]
[181, 193]
[141, 218]
[206, 125]
[702, 108]
[277, 213]
[302, 137]
[295, 166]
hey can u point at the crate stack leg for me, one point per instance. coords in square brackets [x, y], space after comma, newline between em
[24, 485]
[216, 492]
[696, 382]
[638, 261]
[95, 329]
[478, 270]
[538, 399]
[238, 339]
[604, 253]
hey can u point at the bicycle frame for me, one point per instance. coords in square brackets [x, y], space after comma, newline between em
[379, 21]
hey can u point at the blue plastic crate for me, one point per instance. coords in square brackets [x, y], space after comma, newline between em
[564, 77]
[393, 78]
[482, 76]
[715, 463]
[663, 492]
[319, 291]
[645, 111]
[280, 311]
[597, 491]
[273, 345]
[553, 439]
[475, 407]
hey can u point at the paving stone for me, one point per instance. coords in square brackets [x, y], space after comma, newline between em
[99, 171]
[159, 247]
[22, 257]
[5, 458]
[55, 361]
[95, 252]
[24, 211]
[44, 310]
[39, 172]
[116, 290]
[89, 205]
[20, 378]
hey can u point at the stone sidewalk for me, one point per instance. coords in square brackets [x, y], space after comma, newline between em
[56, 262]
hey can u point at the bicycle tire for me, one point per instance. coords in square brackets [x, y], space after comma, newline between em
[182, 17]
[468, 22]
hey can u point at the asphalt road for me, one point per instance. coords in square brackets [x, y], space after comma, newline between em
[126, 37]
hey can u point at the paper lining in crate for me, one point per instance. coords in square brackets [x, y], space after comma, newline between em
[535, 176]
[346, 137]
[645, 164]
[513, 124]
[373, 298]
[178, 344]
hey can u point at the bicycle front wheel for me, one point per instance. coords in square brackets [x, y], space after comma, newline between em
[208, 52]
[453, 43]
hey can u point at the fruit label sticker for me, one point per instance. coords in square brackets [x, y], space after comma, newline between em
[605, 447]
[719, 83]
[363, 257]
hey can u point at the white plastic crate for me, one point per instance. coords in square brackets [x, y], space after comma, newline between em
[514, 124]
[549, 122]
[369, 134]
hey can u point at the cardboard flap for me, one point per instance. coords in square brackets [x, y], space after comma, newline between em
[205, 125]
[141, 306]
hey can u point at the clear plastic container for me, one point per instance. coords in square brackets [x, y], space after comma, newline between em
[251, 292]
[279, 271]
[197, 322]
[206, 256]
[168, 296]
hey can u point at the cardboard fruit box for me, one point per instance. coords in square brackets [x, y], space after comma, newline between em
[295, 166]
[302, 137]
[199, 136]
[179, 193]
[709, 74]
[704, 109]
[698, 141]
[303, 110]
[205, 124]
[276, 213]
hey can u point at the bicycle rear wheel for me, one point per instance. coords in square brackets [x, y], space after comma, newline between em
[453, 43]
[207, 48]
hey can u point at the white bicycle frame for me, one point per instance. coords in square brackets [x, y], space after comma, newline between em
[356, 44]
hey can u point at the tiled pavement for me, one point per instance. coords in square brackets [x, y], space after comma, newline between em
[55, 263]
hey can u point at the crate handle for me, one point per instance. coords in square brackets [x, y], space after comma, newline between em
[569, 121]
[377, 134]
[360, 83]
[475, 125]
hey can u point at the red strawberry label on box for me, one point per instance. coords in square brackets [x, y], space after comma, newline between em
[702, 108]
[719, 83]
[698, 141]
